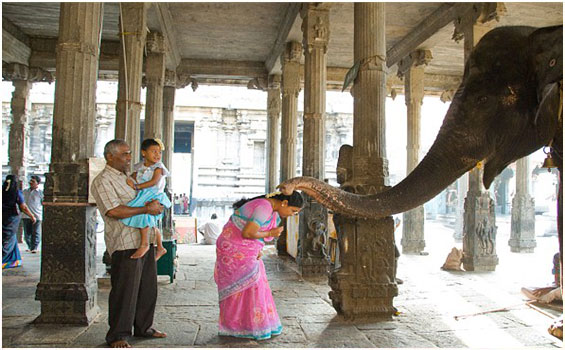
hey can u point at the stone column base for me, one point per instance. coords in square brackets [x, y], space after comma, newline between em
[523, 225]
[521, 246]
[67, 288]
[412, 246]
[313, 267]
[480, 263]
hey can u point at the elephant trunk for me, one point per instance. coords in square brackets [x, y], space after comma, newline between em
[450, 156]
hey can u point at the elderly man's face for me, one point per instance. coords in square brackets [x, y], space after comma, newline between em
[121, 159]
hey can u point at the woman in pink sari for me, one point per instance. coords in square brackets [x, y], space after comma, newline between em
[247, 308]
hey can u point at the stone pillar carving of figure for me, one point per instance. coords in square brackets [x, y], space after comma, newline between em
[133, 23]
[412, 68]
[273, 131]
[365, 285]
[154, 76]
[313, 218]
[472, 27]
[68, 289]
[523, 223]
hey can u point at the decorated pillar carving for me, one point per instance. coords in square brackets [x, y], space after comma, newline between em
[364, 285]
[67, 289]
[133, 32]
[412, 68]
[273, 132]
[154, 78]
[479, 226]
[523, 223]
[290, 61]
[22, 78]
[311, 258]
[289, 120]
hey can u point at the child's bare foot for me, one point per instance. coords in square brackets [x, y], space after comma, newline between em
[140, 252]
[160, 252]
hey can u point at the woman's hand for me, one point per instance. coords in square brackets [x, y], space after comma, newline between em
[260, 255]
[275, 232]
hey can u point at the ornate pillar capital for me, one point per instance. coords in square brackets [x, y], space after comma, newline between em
[155, 43]
[274, 81]
[479, 14]
[414, 59]
[17, 71]
[258, 84]
[315, 26]
[292, 53]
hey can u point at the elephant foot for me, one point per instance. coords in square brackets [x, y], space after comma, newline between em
[556, 329]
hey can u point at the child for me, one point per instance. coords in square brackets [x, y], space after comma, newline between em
[149, 176]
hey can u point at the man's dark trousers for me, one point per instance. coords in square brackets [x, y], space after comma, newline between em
[133, 295]
[32, 233]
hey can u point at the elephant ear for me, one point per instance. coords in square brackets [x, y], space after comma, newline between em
[546, 48]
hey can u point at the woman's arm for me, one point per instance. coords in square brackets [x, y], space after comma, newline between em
[251, 231]
[25, 209]
[157, 174]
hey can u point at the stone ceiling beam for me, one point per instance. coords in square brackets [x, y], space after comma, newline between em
[441, 17]
[226, 68]
[15, 44]
[163, 14]
[284, 29]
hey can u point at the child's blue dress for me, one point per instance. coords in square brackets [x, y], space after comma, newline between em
[145, 174]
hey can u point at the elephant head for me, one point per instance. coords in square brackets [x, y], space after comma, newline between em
[507, 106]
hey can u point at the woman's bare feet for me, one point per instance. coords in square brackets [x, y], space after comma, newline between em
[120, 344]
[160, 252]
[140, 252]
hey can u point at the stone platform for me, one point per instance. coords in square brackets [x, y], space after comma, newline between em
[428, 302]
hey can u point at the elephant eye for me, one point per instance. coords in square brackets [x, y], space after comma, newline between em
[482, 99]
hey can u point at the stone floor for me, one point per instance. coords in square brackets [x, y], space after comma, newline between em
[428, 302]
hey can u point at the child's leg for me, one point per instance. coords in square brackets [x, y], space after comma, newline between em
[160, 249]
[144, 245]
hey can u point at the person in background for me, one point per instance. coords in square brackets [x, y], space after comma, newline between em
[210, 230]
[33, 198]
[12, 199]
[247, 308]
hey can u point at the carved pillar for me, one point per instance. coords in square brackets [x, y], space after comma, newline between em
[523, 224]
[462, 187]
[133, 31]
[412, 67]
[479, 227]
[168, 137]
[290, 61]
[273, 131]
[154, 77]
[67, 288]
[289, 119]
[311, 257]
[365, 284]
[21, 106]
[22, 78]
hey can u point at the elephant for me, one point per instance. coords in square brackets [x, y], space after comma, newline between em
[508, 105]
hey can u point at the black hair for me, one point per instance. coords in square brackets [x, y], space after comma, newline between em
[294, 200]
[214, 216]
[148, 143]
[9, 191]
[36, 178]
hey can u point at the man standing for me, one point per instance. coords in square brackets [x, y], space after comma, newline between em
[134, 281]
[33, 198]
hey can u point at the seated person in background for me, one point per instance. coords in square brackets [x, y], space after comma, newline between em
[211, 230]
[547, 294]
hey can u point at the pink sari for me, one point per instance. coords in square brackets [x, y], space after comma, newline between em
[247, 308]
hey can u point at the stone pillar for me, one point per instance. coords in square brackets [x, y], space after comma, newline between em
[289, 119]
[479, 227]
[21, 106]
[365, 284]
[273, 132]
[523, 224]
[67, 289]
[168, 137]
[154, 77]
[133, 29]
[290, 61]
[412, 67]
[462, 187]
[312, 230]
